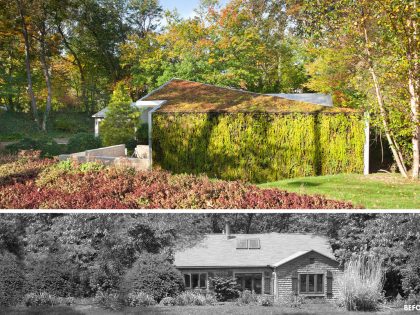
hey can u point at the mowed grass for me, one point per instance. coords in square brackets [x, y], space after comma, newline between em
[230, 308]
[375, 191]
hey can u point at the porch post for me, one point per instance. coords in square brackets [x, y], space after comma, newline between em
[96, 127]
[366, 146]
[275, 289]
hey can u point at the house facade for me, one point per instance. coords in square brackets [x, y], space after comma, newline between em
[277, 264]
[231, 134]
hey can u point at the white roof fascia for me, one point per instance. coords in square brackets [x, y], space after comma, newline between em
[149, 103]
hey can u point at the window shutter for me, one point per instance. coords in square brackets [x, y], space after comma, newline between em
[295, 282]
[267, 282]
[210, 279]
[329, 283]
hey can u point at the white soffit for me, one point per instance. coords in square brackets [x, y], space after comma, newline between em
[150, 103]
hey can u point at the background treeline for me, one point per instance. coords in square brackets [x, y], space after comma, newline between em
[70, 55]
[95, 254]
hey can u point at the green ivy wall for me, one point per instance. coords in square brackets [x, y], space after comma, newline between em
[258, 147]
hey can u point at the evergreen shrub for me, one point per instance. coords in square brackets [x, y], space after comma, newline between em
[83, 141]
[258, 147]
[154, 275]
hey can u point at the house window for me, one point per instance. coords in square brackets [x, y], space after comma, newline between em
[311, 283]
[195, 280]
[203, 280]
[187, 279]
[311, 260]
[249, 281]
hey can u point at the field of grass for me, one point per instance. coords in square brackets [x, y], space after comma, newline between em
[375, 191]
[15, 126]
[321, 309]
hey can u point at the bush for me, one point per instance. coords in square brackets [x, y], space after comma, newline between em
[109, 300]
[155, 275]
[225, 288]
[121, 118]
[55, 275]
[413, 299]
[266, 300]
[411, 274]
[362, 284]
[247, 297]
[167, 301]
[139, 299]
[292, 300]
[82, 142]
[12, 280]
[40, 299]
[258, 147]
[191, 298]
[21, 170]
[142, 134]
[66, 124]
[46, 145]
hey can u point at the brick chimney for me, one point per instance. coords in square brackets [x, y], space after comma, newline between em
[227, 230]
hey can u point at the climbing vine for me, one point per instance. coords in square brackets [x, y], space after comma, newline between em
[258, 147]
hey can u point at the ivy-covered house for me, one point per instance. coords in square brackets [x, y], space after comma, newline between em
[278, 264]
[234, 134]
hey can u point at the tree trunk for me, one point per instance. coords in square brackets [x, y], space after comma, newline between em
[396, 152]
[28, 62]
[79, 66]
[47, 75]
[413, 87]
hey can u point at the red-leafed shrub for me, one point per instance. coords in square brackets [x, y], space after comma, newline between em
[45, 184]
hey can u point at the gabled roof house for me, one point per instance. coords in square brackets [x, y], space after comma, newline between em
[278, 264]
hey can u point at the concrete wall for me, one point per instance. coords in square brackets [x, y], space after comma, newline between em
[113, 155]
[112, 151]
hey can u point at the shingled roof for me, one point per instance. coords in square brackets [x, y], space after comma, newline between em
[188, 96]
[217, 250]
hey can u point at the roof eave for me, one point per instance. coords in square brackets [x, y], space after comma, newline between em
[285, 261]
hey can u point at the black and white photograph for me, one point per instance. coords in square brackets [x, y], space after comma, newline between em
[209, 263]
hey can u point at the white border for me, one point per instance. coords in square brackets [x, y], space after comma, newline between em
[207, 211]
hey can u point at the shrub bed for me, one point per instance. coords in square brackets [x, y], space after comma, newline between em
[82, 142]
[46, 145]
[12, 280]
[22, 185]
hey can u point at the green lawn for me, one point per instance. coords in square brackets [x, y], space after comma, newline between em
[321, 309]
[375, 191]
[15, 126]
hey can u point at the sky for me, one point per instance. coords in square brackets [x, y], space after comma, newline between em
[185, 7]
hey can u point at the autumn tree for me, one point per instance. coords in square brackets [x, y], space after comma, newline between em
[374, 49]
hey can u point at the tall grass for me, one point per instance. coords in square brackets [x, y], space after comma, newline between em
[362, 284]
